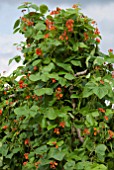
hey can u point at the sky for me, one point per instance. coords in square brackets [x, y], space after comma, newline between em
[102, 11]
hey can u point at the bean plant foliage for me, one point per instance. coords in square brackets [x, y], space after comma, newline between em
[55, 115]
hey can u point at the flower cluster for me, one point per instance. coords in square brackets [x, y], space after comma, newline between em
[63, 36]
[53, 165]
[21, 84]
[27, 21]
[49, 25]
[38, 51]
[70, 24]
[59, 94]
[54, 12]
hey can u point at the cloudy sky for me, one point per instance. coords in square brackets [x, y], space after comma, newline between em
[100, 10]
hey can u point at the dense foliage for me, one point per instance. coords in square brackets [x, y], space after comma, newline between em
[55, 115]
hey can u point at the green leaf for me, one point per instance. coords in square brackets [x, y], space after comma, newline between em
[69, 165]
[76, 63]
[87, 60]
[39, 36]
[60, 143]
[88, 89]
[65, 67]
[95, 113]
[40, 26]
[49, 127]
[82, 45]
[44, 77]
[34, 6]
[51, 113]
[54, 75]
[33, 110]
[22, 111]
[62, 81]
[100, 167]
[56, 154]
[69, 76]
[29, 32]
[100, 91]
[90, 121]
[50, 142]
[15, 150]
[98, 61]
[10, 155]
[40, 92]
[17, 29]
[79, 166]
[16, 24]
[16, 58]
[109, 60]
[36, 62]
[35, 77]
[22, 6]
[48, 68]
[43, 9]
[41, 150]
[75, 47]
[101, 148]
[74, 96]
[4, 150]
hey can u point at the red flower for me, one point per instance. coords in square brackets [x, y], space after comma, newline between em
[97, 31]
[98, 40]
[63, 36]
[24, 19]
[111, 133]
[46, 36]
[69, 24]
[101, 110]
[101, 81]
[58, 9]
[106, 118]
[38, 51]
[26, 155]
[53, 80]
[24, 163]
[5, 127]
[86, 131]
[26, 142]
[110, 50]
[54, 12]
[62, 124]
[57, 131]
[75, 6]
[59, 89]
[0, 111]
[35, 68]
[20, 82]
[29, 23]
[112, 74]
[52, 28]
[27, 97]
[85, 36]
[53, 164]
[93, 22]
[50, 25]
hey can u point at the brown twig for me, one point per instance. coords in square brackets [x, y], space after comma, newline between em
[74, 106]
[79, 135]
[81, 73]
[12, 95]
